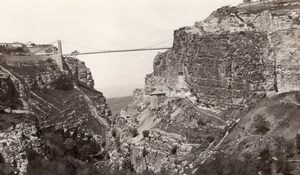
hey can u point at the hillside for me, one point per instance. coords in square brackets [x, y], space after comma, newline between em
[119, 103]
[226, 93]
[224, 100]
[37, 99]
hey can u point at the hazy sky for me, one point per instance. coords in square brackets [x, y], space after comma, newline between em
[104, 24]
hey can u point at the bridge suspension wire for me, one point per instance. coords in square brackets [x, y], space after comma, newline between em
[115, 51]
[157, 44]
[44, 48]
[100, 51]
[74, 44]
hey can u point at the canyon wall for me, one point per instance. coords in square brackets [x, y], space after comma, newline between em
[236, 55]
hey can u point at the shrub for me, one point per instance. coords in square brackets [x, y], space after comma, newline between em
[146, 133]
[265, 161]
[144, 152]
[114, 133]
[134, 132]
[63, 83]
[103, 144]
[2, 160]
[200, 122]
[298, 142]
[210, 139]
[49, 60]
[261, 124]
[174, 149]
[297, 96]
[127, 165]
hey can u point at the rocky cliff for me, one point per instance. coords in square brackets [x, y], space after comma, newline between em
[236, 54]
[202, 97]
[36, 93]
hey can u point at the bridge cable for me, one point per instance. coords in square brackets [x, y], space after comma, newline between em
[74, 44]
[157, 44]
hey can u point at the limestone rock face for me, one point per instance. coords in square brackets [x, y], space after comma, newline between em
[39, 90]
[16, 140]
[8, 93]
[236, 55]
[56, 96]
[80, 71]
[203, 86]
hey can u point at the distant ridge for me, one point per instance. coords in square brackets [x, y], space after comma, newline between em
[118, 103]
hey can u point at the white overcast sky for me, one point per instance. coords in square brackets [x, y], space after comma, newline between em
[104, 24]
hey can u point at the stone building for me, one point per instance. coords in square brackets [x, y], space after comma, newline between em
[155, 98]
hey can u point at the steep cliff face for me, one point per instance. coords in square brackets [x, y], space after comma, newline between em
[224, 78]
[58, 97]
[8, 93]
[16, 141]
[236, 54]
[36, 93]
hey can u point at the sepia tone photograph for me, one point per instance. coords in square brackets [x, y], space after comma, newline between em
[150, 87]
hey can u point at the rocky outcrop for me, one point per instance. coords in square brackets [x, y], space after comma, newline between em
[236, 55]
[39, 90]
[215, 73]
[15, 143]
[80, 71]
[8, 93]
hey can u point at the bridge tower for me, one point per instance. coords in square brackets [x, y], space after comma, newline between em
[59, 56]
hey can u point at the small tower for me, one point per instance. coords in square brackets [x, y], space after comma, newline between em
[59, 57]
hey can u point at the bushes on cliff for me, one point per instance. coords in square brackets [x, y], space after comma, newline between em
[297, 96]
[210, 139]
[67, 154]
[261, 125]
[298, 142]
[144, 152]
[146, 133]
[63, 83]
[174, 149]
[5, 168]
[114, 133]
[65, 166]
[62, 144]
[134, 132]
[248, 164]
[200, 122]
[222, 165]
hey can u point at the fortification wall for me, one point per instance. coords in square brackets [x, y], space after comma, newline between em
[31, 58]
[35, 58]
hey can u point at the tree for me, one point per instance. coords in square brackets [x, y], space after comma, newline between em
[261, 125]
[2, 160]
[174, 149]
[210, 139]
[200, 122]
[146, 133]
[298, 142]
[127, 165]
[63, 83]
[114, 133]
[265, 162]
[144, 152]
[71, 146]
[134, 132]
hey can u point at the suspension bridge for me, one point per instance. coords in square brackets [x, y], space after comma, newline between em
[115, 51]
[58, 54]
[100, 51]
